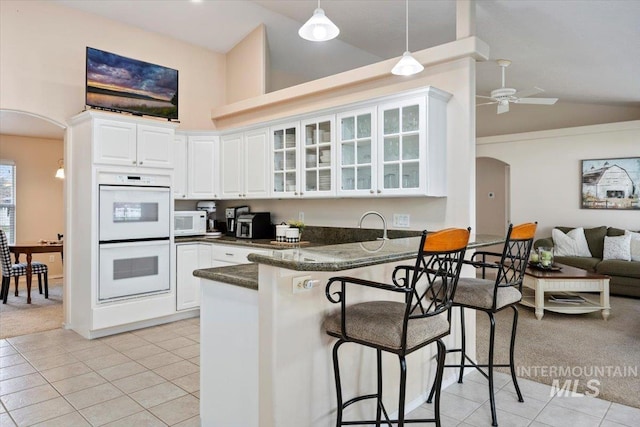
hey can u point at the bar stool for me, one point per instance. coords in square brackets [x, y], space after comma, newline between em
[492, 296]
[400, 327]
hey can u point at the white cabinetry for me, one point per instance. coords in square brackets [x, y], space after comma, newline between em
[180, 167]
[356, 153]
[190, 257]
[317, 157]
[244, 173]
[284, 161]
[127, 143]
[196, 166]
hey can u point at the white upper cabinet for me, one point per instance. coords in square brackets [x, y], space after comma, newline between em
[202, 167]
[244, 173]
[180, 167]
[356, 146]
[285, 182]
[126, 143]
[402, 155]
[317, 157]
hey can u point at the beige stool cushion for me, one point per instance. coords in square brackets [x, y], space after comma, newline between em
[479, 293]
[380, 323]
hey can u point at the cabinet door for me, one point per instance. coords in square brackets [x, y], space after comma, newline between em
[155, 147]
[284, 159]
[256, 164]
[317, 157]
[202, 182]
[356, 153]
[179, 167]
[114, 142]
[232, 166]
[402, 148]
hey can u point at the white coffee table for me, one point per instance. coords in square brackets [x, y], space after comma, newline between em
[570, 280]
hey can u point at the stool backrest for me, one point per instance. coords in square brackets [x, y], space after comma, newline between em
[515, 255]
[5, 255]
[434, 277]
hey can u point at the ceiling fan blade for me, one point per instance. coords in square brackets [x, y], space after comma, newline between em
[528, 92]
[541, 101]
[487, 103]
[503, 108]
[482, 96]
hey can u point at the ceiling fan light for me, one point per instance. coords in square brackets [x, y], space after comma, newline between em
[319, 28]
[407, 66]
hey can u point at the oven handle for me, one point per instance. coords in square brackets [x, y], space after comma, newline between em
[147, 239]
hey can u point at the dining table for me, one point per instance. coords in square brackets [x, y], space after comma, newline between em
[30, 248]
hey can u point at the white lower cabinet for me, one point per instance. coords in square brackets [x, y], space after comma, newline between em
[195, 256]
[189, 257]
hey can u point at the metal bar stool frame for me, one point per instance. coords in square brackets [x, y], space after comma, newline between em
[510, 274]
[428, 288]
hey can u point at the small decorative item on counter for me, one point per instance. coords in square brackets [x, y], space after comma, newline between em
[281, 232]
[534, 257]
[293, 235]
[299, 225]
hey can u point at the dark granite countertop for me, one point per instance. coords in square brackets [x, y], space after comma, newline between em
[245, 275]
[329, 258]
[354, 255]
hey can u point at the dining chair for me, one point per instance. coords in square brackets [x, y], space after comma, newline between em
[418, 316]
[491, 296]
[10, 270]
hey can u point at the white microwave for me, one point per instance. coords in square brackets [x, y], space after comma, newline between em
[189, 223]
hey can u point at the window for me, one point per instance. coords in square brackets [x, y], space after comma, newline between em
[8, 199]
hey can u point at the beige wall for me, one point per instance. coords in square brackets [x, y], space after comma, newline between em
[246, 67]
[39, 198]
[545, 172]
[42, 61]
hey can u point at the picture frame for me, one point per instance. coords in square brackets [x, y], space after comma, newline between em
[612, 183]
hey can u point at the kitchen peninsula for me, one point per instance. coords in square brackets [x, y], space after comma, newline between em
[265, 360]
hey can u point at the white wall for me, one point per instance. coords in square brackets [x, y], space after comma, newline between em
[42, 61]
[546, 175]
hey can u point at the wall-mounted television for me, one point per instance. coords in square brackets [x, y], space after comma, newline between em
[117, 83]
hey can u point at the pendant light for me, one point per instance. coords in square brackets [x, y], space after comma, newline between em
[319, 28]
[408, 65]
[60, 171]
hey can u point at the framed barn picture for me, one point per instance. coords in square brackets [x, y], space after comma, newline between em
[611, 183]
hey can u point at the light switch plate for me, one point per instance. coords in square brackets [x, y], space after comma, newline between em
[401, 220]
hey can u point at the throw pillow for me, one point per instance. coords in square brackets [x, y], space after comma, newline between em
[618, 247]
[635, 244]
[571, 244]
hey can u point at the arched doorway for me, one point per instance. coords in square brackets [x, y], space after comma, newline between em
[493, 212]
[35, 146]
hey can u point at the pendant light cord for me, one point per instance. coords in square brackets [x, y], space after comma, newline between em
[407, 25]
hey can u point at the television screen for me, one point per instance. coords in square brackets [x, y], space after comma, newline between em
[123, 84]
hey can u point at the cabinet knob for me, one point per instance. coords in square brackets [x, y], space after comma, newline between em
[301, 193]
[379, 191]
[140, 162]
[134, 162]
[371, 191]
[239, 195]
[295, 194]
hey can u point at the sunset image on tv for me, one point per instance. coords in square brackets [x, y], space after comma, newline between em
[124, 84]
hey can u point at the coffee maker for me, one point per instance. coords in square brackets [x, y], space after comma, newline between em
[232, 214]
[209, 207]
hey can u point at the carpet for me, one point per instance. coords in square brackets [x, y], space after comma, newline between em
[19, 318]
[581, 352]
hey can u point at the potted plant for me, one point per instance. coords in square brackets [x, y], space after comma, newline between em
[297, 224]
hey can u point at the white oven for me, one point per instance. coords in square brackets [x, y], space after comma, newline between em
[132, 269]
[134, 235]
[134, 212]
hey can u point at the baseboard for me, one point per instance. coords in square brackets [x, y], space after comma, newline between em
[140, 325]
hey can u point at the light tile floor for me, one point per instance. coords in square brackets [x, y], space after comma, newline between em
[150, 377]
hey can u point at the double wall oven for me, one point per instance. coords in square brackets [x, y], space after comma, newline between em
[134, 234]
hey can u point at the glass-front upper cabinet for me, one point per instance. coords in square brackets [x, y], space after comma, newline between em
[402, 151]
[356, 146]
[317, 157]
[284, 148]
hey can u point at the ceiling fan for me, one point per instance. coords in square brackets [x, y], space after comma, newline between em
[504, 95]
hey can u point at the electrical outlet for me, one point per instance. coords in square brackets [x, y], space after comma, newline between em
[401, 220]
[301, 216]
[52, 258]
[298, 284]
